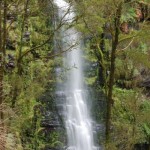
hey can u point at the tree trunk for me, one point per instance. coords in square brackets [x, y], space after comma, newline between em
[112, 71]
[4, 29]
[1, 62]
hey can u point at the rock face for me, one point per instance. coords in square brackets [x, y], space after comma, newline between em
[11, 62]
[51, 115]
[51, 122]
[10, 45]
[146, 84]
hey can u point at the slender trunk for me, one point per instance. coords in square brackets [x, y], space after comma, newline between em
[1, 62]
[2, 139]
[4, 29]
[102, 67]
[112, 72]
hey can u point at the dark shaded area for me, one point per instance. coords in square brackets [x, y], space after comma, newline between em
[10, 45]
[142, 147]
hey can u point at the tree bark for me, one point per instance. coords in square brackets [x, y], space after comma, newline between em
[1, 63]
[115, 40]
[4, 29]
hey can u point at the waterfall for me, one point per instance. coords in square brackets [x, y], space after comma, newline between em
[77, 119]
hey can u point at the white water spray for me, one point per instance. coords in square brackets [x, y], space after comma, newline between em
[78, 121]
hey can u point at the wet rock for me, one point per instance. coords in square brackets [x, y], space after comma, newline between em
[60, 107]
[26, 36]
[50, 120]
[50, 124]
[60, 94]
[146, 83]
[11, 17]
[11, 63]
[10, 44]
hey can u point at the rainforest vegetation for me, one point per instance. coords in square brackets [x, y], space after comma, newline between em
[116, 39]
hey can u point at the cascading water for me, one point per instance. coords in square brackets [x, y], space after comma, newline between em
[78, 121]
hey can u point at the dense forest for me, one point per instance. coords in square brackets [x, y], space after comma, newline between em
[115, 37]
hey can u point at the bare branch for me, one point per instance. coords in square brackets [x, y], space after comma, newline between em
[126, 46]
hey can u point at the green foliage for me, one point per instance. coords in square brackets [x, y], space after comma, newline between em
[90, 80]
[146, 129]
[129, 124]
[130, 118]
[139, 56]
[128, 14]
[22, 89]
